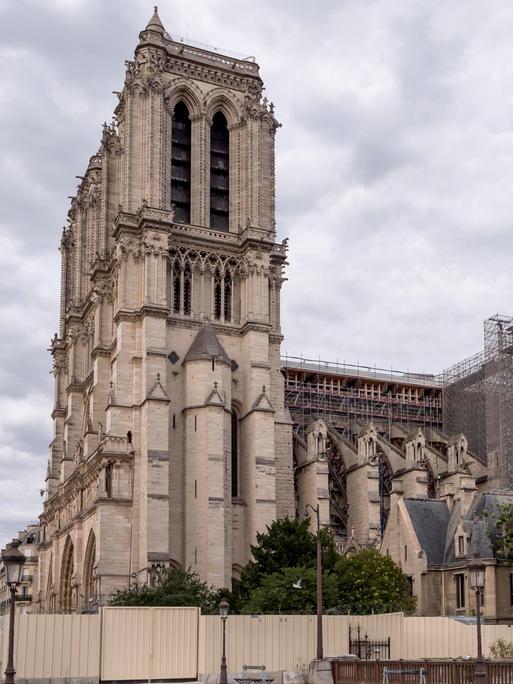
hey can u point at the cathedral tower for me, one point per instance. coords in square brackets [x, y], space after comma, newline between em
[172, 443]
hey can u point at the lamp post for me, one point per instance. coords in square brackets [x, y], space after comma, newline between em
[223, 612]
[13, 561]
[317, 512]
[476, 571]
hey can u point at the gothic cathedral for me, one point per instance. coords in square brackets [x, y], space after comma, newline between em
[172, 444]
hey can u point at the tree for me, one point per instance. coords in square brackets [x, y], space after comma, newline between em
[173, 588]
[504, 543]
[286, 543]
[368, 582]
[291, 591]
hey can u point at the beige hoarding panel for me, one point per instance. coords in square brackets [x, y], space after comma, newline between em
[149, 643]
[280, 642]
[55, 646]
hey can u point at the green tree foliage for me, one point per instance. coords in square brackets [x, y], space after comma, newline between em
[368, 582]
[286, 543]
[172, 588]
[277, 593]
[505, 530]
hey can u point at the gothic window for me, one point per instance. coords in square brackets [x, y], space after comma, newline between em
[431, 482]
[187, 289]
[182, 285]
[108, 480]
[181, 164]
[385, 487]
[217, 295]
[222, 294]
[228, 288]
[219, 173]
[66, 591]
[89, 562]
[176, 289]
[235, 455]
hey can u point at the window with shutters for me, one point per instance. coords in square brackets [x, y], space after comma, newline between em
[219, 173]
[181, 164]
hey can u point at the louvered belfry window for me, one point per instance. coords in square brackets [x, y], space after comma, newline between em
[219, 173]
[181, 164]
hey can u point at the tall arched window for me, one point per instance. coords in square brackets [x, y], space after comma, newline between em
[66, 590]
[235, 454]
[181, 164]
[88, 589]
[219, 173]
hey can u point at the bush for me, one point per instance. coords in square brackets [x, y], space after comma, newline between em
[501, 649]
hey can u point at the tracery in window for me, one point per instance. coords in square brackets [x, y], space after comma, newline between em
[181, 164]
[181, 288]
[219, 173]
[228, 288]
[222, 291]
[217, 295]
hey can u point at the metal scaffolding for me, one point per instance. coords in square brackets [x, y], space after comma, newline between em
[478, 399]
[346, 396]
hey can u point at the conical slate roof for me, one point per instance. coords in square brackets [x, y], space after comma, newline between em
[154, 23]
[206, 345]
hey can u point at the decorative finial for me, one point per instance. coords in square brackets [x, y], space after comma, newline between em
[158, 377]
[215, 384]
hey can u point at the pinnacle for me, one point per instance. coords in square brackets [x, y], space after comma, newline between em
[155, 23]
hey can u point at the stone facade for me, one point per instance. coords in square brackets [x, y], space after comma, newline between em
[172, 444]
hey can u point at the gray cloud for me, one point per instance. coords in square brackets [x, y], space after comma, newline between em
[395, 168]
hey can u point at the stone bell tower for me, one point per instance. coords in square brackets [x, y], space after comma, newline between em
[172, 443]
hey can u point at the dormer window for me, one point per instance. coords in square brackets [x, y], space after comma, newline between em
[461, 545]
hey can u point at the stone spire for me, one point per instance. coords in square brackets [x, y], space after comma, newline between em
[154, 23]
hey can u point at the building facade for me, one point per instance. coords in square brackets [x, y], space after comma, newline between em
[179, 433]
[172, 443]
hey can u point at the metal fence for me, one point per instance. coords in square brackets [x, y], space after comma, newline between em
[365, 648]
[436, 672]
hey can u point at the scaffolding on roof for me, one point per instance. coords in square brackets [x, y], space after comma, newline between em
[478, 399]
[346, 396]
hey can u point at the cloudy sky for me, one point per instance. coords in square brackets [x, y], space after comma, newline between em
[395, 177]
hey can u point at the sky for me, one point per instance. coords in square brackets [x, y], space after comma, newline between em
[394, 178]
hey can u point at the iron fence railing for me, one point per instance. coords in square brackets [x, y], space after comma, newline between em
[436, 671]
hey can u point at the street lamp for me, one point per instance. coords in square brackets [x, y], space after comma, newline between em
[223, 612]
[13, 561]
[476, 571]
[317, 512]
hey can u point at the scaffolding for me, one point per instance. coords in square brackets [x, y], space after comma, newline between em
[478, 400]
[347, 396]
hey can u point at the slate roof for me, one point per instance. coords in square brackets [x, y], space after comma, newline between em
[435, 525]
[430, 518]
[206, 345]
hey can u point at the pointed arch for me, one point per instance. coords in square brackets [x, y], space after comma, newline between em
[67, 571]
[219, 100]
[89, 588]
[185, 91]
